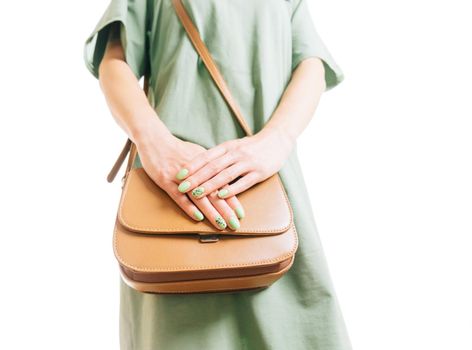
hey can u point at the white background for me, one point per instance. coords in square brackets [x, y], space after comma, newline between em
[387, 159]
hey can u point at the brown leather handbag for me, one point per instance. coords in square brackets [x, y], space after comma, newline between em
[161, 250]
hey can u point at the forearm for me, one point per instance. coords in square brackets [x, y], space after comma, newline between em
[299, 101]
[125, 98]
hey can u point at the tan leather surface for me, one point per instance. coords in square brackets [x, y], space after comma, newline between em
[191, 275]
[119, 161]
[145, 207]
[230, 285]
[184, 252]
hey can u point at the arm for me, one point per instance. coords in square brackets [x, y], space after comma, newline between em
[257, 157]
[161, 153]
[125, 98]
[299, 101]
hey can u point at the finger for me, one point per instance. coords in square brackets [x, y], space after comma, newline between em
[221, 179]
[185, 203]
[210, 211]
[240, 185]
[216, 168]
[225, 210]
[236, 205]
[191, 166]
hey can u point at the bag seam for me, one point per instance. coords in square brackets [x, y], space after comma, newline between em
[202, 267]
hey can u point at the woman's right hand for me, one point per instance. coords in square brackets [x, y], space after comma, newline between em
[162, 155]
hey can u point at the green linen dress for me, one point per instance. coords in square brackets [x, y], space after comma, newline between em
[256, 44]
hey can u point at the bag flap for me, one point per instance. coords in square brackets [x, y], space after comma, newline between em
[146, 208]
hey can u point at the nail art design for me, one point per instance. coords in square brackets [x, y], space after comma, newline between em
[198, 215]
[223, 193]
[197, 192]
[184, 186]
[239, 212]
[233, 223]
[220, 221]
[182, 174]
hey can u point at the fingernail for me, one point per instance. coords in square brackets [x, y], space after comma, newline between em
[233, 223]
[223, 193]
[184, 186]
[220, 221]
[198, 215]
[239, 212]
[197, 192]
[181, 174]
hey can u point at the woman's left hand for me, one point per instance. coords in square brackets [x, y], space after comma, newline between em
[252, 159]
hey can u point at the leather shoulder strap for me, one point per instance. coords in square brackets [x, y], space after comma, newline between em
[119, 161]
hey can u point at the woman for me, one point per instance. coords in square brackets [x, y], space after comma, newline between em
[276, 67]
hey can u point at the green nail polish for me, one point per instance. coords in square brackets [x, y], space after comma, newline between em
[181, 174]
[220, 221]
[233, 223]
[223, 193]
[197, 192]
[184, 186]
[239, 212]
[198, 215]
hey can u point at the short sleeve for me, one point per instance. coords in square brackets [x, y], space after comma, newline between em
[134, 19]
[306, 42]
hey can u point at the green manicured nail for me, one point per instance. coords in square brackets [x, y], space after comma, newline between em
[220, 221]
[181, 174]
[184, 186]
[223, 193]
[239, 212]
[233, 223]
[197, 192]
[198, 215]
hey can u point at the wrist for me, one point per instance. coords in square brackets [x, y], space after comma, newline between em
[279, 134]
[150, 130]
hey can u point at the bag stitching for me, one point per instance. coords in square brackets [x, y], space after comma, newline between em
[252, 263]
[218, 289]
[154, 229]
